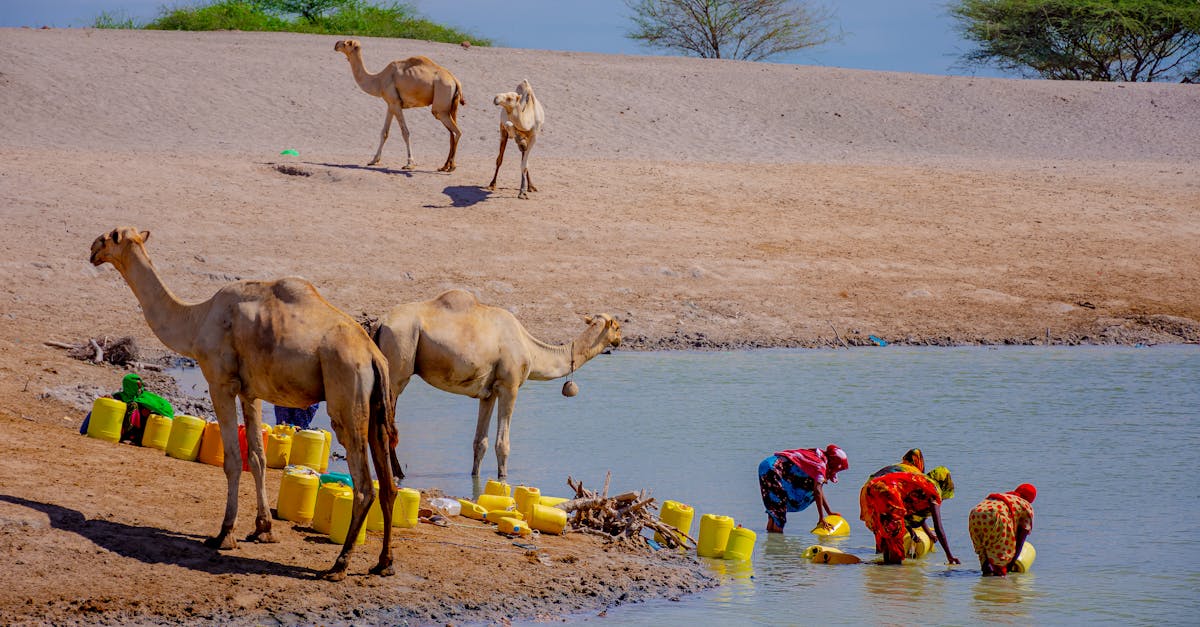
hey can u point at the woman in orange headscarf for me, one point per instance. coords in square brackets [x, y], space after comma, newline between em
[895, 502]
[999, 526]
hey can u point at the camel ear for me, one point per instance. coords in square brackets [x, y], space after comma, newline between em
[115, 236]
[145, 236]
[587, 320]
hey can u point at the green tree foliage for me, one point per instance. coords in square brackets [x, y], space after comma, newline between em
[730, 29]
[310, 10]
[1098, 40]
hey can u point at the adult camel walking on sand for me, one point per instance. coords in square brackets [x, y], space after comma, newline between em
[461, 346]
[279, 341]
[411, 83]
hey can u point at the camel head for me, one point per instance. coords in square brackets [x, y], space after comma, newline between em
[348, 47]
[508, 100]
[110, 247]
[607, 328]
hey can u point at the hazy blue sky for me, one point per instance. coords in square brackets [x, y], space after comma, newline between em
[896, 35]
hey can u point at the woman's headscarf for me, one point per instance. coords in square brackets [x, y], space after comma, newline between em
[941, 478]
[836, 461]
[132, 391]
[1026, 491]
[915, 458]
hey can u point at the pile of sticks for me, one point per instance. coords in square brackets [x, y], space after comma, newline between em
[620, 519]
[121, 351]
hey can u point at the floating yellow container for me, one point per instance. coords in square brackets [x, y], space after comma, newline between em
[158, 432]
[921, 547]
[740, 545]
[309, 448]
[526, 497]
[497, 488]
[323, 510]
[495, 515]
[108, 416]
[714, 535]
[832, 526]
[279, 446]
[212, 448]
[471, 509]
[513, 527]
[339, 524]
[184, 442]
[679, 516]
[298, 495]
[551, 501]
[830, 555]
[1025, 559]
[492, 502]
[548, 519]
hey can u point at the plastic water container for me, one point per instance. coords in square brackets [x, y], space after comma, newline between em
[297, 495]
[497, 488]
[157, 433]
[740, 545]
[406, 514]
[830, 555]
[1025, 559]
[339, 524]
[832, 526]
[491, 502]
[921, 547]
[245, 447]
[212, 448]
[375, 512]
[526, 497]
[496, 514]
[471, 509]
[551, 501]
[513, 527]
[308, 449]
[184, 442]
[447, 506]
[279, 446]
[714, 535]
[679, 516]
[323, 509]
[108, 416]
[337, 477]
[548, 519]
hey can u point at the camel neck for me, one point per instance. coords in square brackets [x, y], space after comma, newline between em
[361, 75]
[167, 316]
[551, 362]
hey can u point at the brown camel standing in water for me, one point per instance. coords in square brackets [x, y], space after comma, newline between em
[411, 83]
[279, 341]
[461, 346]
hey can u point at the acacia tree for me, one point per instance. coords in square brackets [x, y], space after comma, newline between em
[1098, 40]
[730, 29]
[310, 10]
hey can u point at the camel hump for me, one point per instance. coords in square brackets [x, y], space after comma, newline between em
[418, 61]
[293, 289]
[457, 300]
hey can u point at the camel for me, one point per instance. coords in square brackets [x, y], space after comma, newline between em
[411, 83]
[282, 342]
[521, 118]
[461, 346]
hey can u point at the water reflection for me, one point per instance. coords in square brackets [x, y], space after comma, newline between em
[737, 580]
[1004, 599]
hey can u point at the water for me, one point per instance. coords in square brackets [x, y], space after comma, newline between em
[1110, 437]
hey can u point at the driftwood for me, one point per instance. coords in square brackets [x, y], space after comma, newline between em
[122, 351]
[620, 519]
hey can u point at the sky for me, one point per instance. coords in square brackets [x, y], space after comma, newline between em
[890, 35]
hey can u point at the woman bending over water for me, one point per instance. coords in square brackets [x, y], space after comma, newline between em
[790, 481]
[896, 502]
[999, 526]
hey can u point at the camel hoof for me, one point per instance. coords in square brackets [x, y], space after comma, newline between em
[491, 188]
[226, 543]
[409, 166]
[262, 538]
[532, 188]
[523, 196]
[372, 163]
[333, 575]
[383, 571]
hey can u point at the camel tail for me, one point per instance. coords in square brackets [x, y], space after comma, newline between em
[459, 99]
[383, 416]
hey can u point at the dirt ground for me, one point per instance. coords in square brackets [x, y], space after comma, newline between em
[706, 204]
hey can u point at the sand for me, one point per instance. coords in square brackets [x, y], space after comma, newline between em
[707, 204]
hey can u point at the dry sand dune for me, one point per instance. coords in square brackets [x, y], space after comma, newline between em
[706, 203]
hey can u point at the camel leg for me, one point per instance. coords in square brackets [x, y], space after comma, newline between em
[507, 400]
[225, 406]
[499, 159]
[348, 392]
[383, 135]
[525, 163]
[397, 471]
[252, 415]
[452, 126]
[481, 429]
[398, 111]
[524, 170]
[378, 442]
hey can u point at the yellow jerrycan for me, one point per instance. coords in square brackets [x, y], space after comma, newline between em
[471, 509]
[308, 449]
[551, 501]
[339, 524]
[513, 527]
[740, 545]
[714, 535]
[323, 509]
[298, 494]
[158, 432]
[108, 416]
[497, 488]
[495, 515]
[679, 516]
[184, 441]
[212, 448]
[832, 526]
[405, 511]
[279, 446]
[1025, 559]
[526, 497]
[921, 547]
[493, 502]
[548, 519]
[830, 555]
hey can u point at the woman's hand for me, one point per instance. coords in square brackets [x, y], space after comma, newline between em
[950, 559]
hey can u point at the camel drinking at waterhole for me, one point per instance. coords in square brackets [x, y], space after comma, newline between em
[461, 346]
[282, 342]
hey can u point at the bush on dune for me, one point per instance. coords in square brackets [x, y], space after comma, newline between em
[333, 17]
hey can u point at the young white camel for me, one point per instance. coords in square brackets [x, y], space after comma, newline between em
[522, 118]
[461, 346]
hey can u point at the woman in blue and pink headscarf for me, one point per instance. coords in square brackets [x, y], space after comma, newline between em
[790, 481]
